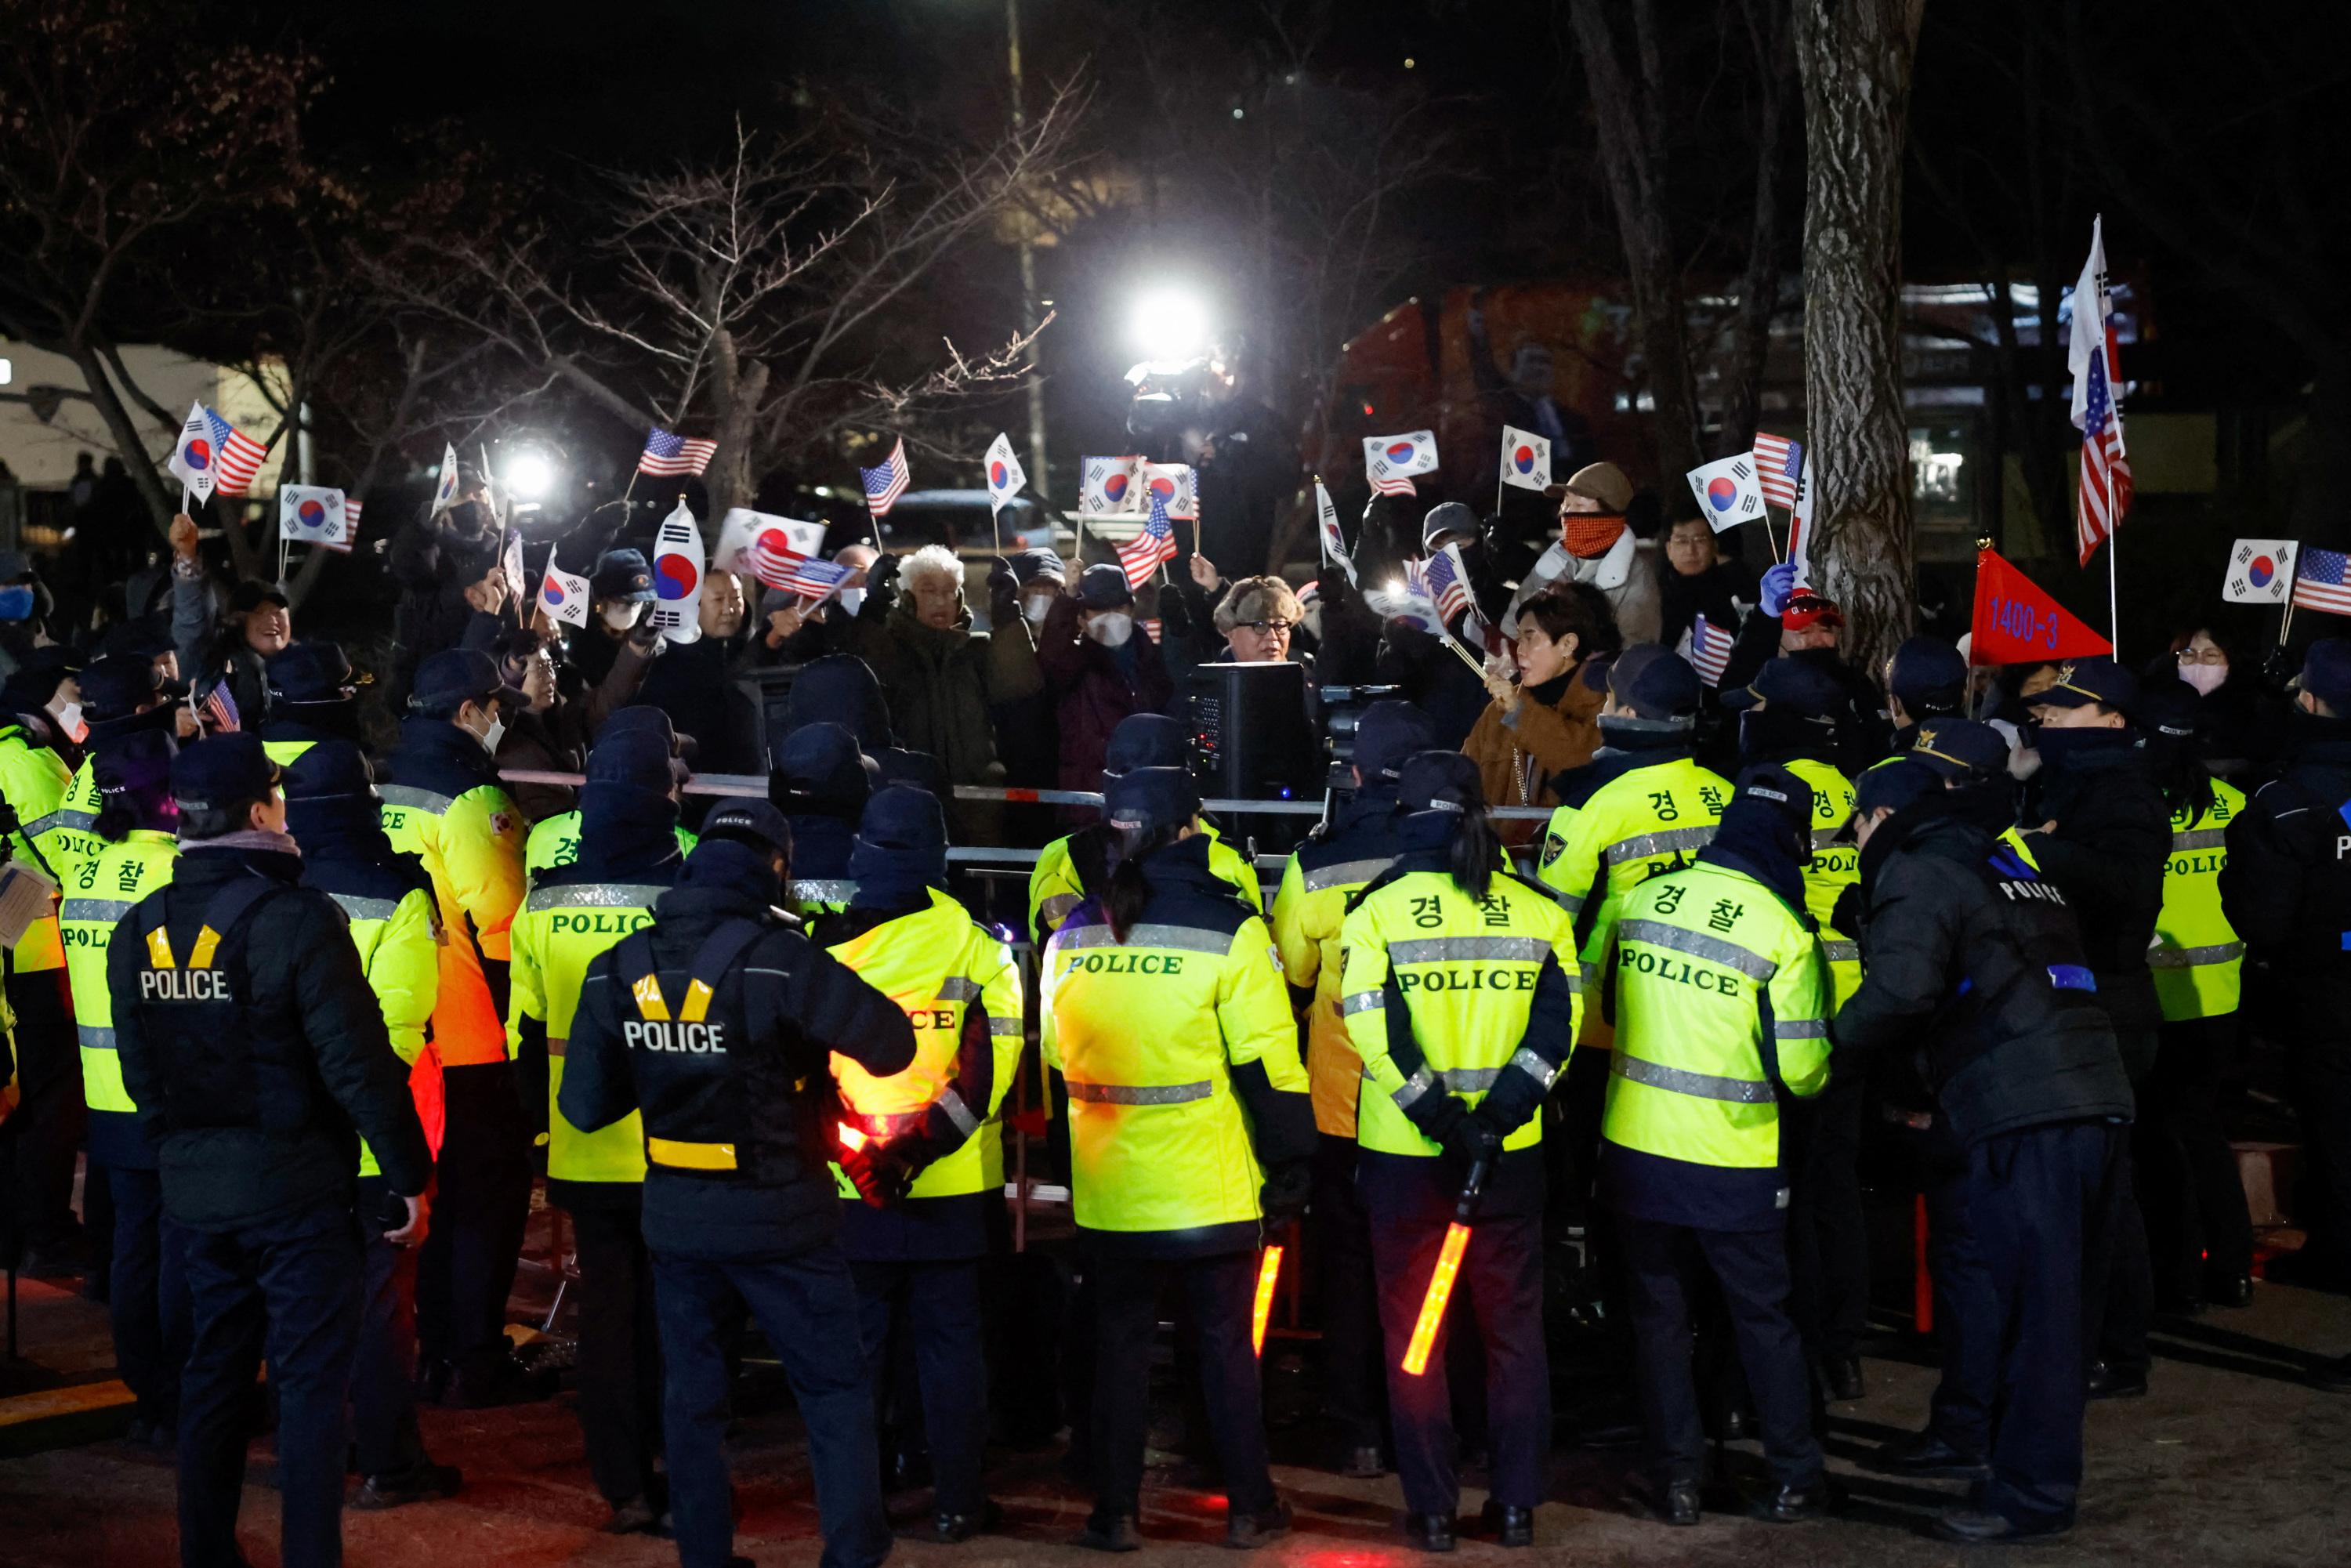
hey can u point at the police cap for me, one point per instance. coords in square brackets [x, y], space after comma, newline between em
[137, 764]
[1438, 780]
[331, 770]
[637, 757]
[220, 771]
[1894, 785]
[1961, 748]
[903, 817]
[1797, 686]
[1928, 675]
[822, 761]
[1144, 740]
[1655, 682]
[449, 679]
[2325, 671]
[1149, 798]
[749, 821]
[2095, 680]
[1388, 732]
[113, 687]
[1770, 788]
[310, 673]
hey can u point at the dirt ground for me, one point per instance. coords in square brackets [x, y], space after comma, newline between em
[2231, 1460]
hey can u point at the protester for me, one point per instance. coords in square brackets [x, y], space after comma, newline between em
[1697, 584]
[1099, 668]
[1602, 551]
[1542, 721]
[2240, 728]
[696, 683]
[447, 568]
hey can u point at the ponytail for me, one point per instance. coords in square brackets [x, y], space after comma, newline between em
[1123, 900]
[1472, 855]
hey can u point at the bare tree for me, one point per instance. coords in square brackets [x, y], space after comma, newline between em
[1854, 58]
[750, 298]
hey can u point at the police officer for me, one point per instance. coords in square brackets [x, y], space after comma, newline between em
[1787, 717]
[555, 840]
[1358, 845]
[333, 812]
[1926, 679]
[1721, 1008]
[1190, 1135]
[1976, 967]
[1461, 994]
[2286, 889]
[2105, 837]
[147, 1286]
[254, 1049]
[314, 695]
[2199, 1231]
[1073, 863]
[822, 781]
[627, 858]
[715, 1023]
[444, 806]
[930, 1160]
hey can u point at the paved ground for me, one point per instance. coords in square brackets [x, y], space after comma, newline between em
[2232, 1460]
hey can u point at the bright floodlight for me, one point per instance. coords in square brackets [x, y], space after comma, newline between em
[1170, 324]
[530, 475]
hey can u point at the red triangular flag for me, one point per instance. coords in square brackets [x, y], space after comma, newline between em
[2017, 623]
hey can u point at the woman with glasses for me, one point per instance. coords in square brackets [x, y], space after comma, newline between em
[2239, 727]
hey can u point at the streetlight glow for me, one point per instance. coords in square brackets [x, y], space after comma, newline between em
[529, 474]
[1171, 324]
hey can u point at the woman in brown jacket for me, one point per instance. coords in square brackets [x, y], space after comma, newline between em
[1546, 721]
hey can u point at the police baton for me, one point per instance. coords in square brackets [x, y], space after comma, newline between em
[1448, 1266]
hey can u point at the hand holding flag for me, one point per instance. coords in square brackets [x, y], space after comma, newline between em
[1141, 555]
[1728, 491]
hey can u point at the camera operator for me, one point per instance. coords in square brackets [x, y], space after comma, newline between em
[1206, 413]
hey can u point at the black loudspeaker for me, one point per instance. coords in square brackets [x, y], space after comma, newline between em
[1253, 738]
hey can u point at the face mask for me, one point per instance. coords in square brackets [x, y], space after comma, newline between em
[620, 617]
[853, 600]
[2205, 678]
[16, 602]
[69, 724]
[492, 736]
[2060, 746]
[1036, 609]
[1111, 628]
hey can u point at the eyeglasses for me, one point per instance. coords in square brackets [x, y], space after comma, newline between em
[1267, 628]
[2203, 657]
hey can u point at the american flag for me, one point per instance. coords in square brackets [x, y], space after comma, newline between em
[2105, 494]
[1709, 651]
[884, 484]
[2321, 580]
[222, 705]
[1151, 629]
[813, 579]
[238, 457]
[1443, 577]
[1778, 468]
[667, 453]
[1392, 484]
[1156, 543]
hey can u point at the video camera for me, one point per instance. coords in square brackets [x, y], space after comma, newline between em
[1342, 710]
[1170, 396]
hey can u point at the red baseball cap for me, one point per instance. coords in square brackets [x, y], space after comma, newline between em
[1806, 608]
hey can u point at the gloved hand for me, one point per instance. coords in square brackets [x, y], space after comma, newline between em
[1002, 581]
[1469, 1140]
[1284, 1196]
[1779, 582]
[1437, 1114]
[881, 588]
[2278, 668]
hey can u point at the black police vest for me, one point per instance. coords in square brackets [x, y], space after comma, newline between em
[220, 1065]
[716, 1102]
[2030, 975]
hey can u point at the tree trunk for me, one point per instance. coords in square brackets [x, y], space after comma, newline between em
[162, 506]
[1854, 58]
[738, 387]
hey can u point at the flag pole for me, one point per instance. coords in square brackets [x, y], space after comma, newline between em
[2113, 590]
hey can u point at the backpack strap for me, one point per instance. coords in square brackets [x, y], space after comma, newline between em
[228, 906]
[633, 959]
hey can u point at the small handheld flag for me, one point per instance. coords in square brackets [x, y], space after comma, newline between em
[2260, 571]
[816, 580]
[1447, 582]
[1176, 484]
[215, 455]
[678, 577]
[2321, 580]
[1141, 554]
[1709, 651]
[1110, 485]
[312, 515]
[1800, 525]
[1390, 461]
[564, 597]
[668, 454]
[1334, 543]
[1779, 468]
[884, 484]
[220, 707]
[510, 560]
[2105, 492]
[1526, 458]
[445, 490]
[780, 547]
[1005, 475]
[1728, 492]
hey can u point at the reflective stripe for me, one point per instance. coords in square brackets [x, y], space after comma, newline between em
[1699, 944]
[410, 796]
[684, 1155]
[958, 1112]
[1003, 1026]
[97, 1037]
[1418, 1084]
[1701, 1085]
[591, 896]
[958, 988]
[1446, 949]
[95, 909]
[1362, 1002]
[1543, 1073]
[1190, 938]
[358, 908]
[1345, 874]
[2200, 839]
[1469, 1080]
[1139, 1094]
[1841, 952]
[1671, 839]
[2189, 958]
[1800, 1028]
[60, 818]
[1823, 837]
[1570, 902]
[1056, 909]
[836, 890]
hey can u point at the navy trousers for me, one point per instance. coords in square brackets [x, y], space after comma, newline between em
[290, 1290]
[619, 1345]
[149, 1295]
[1752, 1266]
[932, 1308]
[465, 1270]
[2037, 1201]
[385, 1434]
[1966, 1316]
[1501, 1282]
[1355, 1401]
[807, 1306]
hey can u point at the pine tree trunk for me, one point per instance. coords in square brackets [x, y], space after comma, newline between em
[1854, 56]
